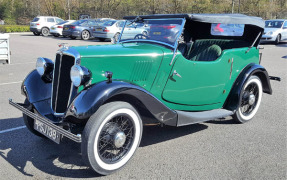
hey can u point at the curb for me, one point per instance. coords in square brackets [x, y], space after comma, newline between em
[19, 33]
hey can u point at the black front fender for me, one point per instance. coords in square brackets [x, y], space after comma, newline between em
[88, 101]
[233, 98]
[35, 89]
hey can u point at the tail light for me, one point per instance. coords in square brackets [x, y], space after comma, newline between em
[106, 30]
[59, 26]
[72, 27]
[38, 24]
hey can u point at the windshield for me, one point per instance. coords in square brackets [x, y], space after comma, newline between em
[273, 24]
[109, 23]
[165, 31]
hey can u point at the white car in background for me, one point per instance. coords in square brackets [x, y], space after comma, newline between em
[43, 24]
[57, 30]
[275, 31]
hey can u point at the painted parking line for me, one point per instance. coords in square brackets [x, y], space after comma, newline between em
[11, 83]
[12, 129]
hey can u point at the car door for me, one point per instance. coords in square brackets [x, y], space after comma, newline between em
[50, 22]
[284, 31]
[197, 83]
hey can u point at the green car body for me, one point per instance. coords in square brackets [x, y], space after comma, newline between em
[147, 65]
[186, 69]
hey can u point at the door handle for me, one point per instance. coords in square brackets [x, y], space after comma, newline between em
[176, 73]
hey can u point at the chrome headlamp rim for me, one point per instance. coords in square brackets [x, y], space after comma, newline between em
[41, 65]
[76, 74]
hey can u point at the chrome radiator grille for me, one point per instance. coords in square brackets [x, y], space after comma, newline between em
[62, 84]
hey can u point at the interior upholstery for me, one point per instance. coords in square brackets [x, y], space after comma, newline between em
[208, 49]
[210, 53]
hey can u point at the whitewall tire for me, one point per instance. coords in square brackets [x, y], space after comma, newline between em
[111, 137]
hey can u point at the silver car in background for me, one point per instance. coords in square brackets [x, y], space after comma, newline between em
[275, 31]
[112, 29]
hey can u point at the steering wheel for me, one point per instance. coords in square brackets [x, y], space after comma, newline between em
[141, 36]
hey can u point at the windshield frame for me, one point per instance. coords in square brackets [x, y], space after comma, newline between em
[174, 46]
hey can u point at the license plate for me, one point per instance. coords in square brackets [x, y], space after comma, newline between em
[53, 28]
[99, 29]
[47, 131]
[66, 28]
[156, 33]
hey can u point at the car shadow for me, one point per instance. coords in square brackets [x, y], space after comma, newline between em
[21, 147]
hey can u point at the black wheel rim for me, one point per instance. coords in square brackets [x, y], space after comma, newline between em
[246, 107]
[107, 150]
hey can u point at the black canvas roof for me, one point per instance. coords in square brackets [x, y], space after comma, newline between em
[209, 18]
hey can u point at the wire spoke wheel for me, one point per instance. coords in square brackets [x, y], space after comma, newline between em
[116, 139]
[111, 137]
[250, 99]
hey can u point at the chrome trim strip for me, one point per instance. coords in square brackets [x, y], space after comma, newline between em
[145, 40]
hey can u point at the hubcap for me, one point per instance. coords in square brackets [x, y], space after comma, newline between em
[119, 139]
[116, 139]
[251, 100]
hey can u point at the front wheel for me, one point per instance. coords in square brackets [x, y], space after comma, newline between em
[278, 39]
[111, 137]
[250, 99]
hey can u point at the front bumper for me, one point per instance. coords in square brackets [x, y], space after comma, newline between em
[47, 122]
[268, 38]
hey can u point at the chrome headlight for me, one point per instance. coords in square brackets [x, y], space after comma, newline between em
[44, 67]
[80, 75]
[270, 33]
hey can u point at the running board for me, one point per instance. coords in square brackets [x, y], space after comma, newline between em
[185, 118]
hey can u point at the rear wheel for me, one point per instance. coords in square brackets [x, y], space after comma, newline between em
[278, 39]
[36, 33]
[85, 35]
[45, 31]
[111, 137]
[29, 122]
[115, 39]
[250, 99]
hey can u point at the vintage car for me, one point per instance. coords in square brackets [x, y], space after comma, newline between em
[181, 72]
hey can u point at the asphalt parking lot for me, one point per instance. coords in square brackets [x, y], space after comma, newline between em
[218, 149]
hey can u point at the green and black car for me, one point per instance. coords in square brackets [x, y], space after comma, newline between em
[186, 69]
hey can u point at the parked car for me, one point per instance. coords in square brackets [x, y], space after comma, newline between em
[43, 24]
[100, 96]
[82, 28]
[275, 31]
[57, 30]
[112, 29]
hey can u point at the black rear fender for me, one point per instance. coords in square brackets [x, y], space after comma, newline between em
[88, 101]
[252, 69]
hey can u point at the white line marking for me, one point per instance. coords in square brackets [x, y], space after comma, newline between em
[18, 63]
[12, 129]
[10, 83]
